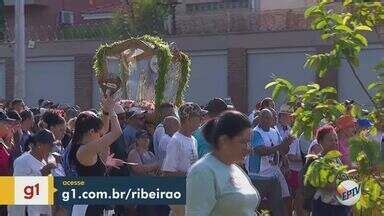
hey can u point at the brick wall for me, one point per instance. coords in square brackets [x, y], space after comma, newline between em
[241, 21]
[9, 78]
[237, 78]
[83, 81]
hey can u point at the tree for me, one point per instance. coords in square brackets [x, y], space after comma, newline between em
[344, 28]
[143, 17]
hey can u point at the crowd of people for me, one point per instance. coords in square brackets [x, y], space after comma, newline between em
[234, 164]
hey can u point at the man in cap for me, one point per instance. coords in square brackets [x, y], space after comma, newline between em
[284, 121]
[182, 150]
[135, 122]
[215, 107]
[345, 128]
[164, 110]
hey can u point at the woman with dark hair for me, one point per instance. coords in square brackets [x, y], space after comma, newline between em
[324, 201]
[227, 190]
[89, 142]
[55, 123]
[34, 163]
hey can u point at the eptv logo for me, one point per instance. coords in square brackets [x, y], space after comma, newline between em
[348, 192]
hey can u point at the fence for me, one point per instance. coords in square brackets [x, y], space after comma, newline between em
[245, 21]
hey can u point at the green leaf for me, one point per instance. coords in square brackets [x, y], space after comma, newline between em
[321, 106]
[312, 91]
[321, 24]
[340, 107]
[300, 90]
[326, 36]
[344, 28]
[310, 10]
[361, 39]
[332, 154]
[346, 19]
[322, 72]
[363, 28]
[372, 85]
[315, 86]
[347, 2]
[270, 84]
[330, 90]
[277, 90]
[285, 82]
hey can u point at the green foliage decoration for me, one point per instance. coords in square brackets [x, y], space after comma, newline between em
[164, 55]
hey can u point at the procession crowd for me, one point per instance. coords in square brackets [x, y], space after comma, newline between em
[234, 164]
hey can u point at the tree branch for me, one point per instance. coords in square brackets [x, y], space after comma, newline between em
[362, 84]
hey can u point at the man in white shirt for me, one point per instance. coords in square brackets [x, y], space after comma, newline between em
[182, 148]
[284, 121]
[165, 110]
[171, 126]
[263, 164]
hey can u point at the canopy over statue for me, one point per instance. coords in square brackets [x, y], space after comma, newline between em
[148, 69]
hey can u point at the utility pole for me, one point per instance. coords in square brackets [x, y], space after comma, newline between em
[2, 20]
[19, 89]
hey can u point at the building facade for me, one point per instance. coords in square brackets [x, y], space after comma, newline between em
[235, 52]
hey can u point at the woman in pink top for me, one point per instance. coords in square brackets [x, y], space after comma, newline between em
[346, 128]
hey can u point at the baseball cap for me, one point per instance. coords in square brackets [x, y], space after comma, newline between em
[364, 123]
[189, 110]
[5, 118]
[345, 121]
[132, 112]
[141, 134]
[216, 106]
[286, 109]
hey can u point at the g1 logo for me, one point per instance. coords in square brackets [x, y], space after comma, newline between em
[348, 192]
[31, 191]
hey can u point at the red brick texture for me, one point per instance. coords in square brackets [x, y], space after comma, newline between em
[241, 21]
[9, 78]
[237, 77]
[83, 81]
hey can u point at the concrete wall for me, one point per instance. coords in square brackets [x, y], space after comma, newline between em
[2, 79]
[349, 86]
[208, 76]
[279, 4]
[50, 78]
[285, 63]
